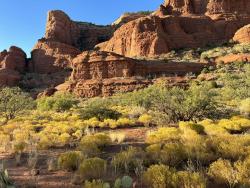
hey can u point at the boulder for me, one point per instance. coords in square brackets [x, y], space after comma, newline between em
[51, 56]
[243, 35]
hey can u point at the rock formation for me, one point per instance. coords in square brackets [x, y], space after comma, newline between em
[177, 7]
[243, 35]
[51, 56]
[84, 36]
[127, 17]
[12, 63]
[179, 24]
[98, 73]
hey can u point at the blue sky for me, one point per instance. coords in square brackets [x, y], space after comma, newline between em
[22, 22]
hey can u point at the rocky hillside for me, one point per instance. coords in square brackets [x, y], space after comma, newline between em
[92, 60]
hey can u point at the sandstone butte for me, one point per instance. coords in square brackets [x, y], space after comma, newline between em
[98, 60]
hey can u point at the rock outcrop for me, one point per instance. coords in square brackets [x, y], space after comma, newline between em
[84, 36]
[98, 73]
[127, 17]
[177, 7]
[243, 35]
[179, 24]
[12, 63]
[51, 56]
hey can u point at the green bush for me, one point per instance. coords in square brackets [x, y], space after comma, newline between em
[13, 101]
[70, 160]
[59, 102]
[92, 168]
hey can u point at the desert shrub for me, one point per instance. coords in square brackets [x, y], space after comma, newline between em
[64, 139]
[100, 139]
[92, 168]
[211, 128]
[145, 119]
[127, 160]
[158, 176]
[198, 148]
[59, 102]
[96, 184]
[191, 126]
[222, 172]
[245, 107]
[70, 160]
[92, 122]
[186, 179]
[171, 154]
[235, 85]
[225, 146]
[243, 173]
[14, 101]
[98, 108]
[118, 137]
[163, 135]
[122, 122]
[89, 149]
[110, 123]
[178, 104]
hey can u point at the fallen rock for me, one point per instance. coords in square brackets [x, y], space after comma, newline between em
[243, 35]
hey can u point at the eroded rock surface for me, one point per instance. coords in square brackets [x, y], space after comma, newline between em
[243, 35]
[84, 36]
[12, 63]
[180, 24]
[51, 56]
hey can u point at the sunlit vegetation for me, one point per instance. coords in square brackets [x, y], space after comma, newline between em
[158, 137]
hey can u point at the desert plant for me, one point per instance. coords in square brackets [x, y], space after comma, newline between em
[70, 160]
[100, 139]
[59, 102]
[117, 137]
[222, 171]
[245, 107]
[126, 182]
[5, 181]
[187, 179]
[14, 101]
[127, 160]
[96, 184]
[158, 176]
[92, 168]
